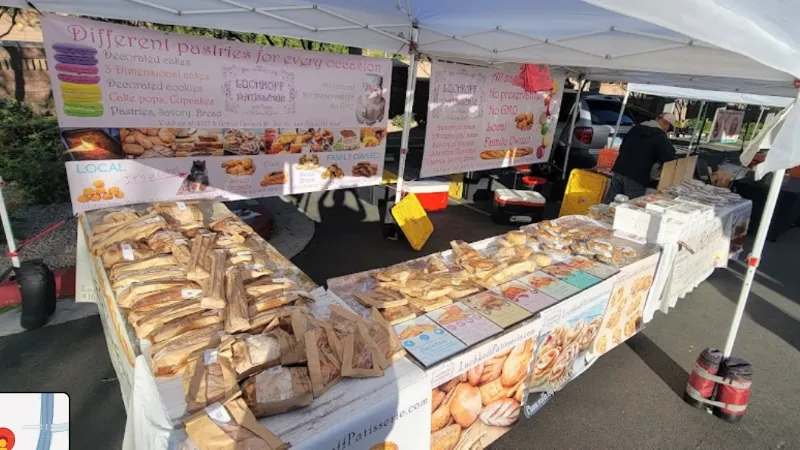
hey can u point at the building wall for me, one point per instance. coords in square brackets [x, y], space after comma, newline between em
[23, 76]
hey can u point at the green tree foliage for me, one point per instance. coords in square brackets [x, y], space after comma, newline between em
[31, 153]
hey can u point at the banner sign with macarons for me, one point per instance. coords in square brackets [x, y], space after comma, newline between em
[481, 118]
[199, 117]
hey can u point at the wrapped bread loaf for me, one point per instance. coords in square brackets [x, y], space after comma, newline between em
[154, 274]
[153, 262]
[231, 225]
[201, 249]
[236, 316]
[179, 212]
[268, 302]
[209, 378]
[124, 252]
[185, 324]
[254, 353]
[161, 241]
[214, 297]
[120, 215]
[361, 357]
[324, 352]
[230, 426]
[277, 390]
[169, 357]
[136, 230]
[137, 291]
[145, 322]
[266, 286]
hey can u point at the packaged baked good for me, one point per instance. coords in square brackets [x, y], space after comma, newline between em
[179, 212]
[268, 286]
[361, 356]
[231, 225]
[252, 353]
[236, 315]
[398, 314]
[145, 322]
[271, 301]
[169, 357]
[185, 324]
[138, 291]
[557, 250]
[209, 378]
[123, 252]
[382, 333]
[324, 358]
[599, 246]
[378, 299]
[201, 248]
[136, 230]
[161, 241]
[120, 215]
[214, 297]
[153, 274]
[260, 321]
[277, 390]
[230, 426]
[152, 262]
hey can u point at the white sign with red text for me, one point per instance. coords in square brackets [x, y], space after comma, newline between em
[479, 119]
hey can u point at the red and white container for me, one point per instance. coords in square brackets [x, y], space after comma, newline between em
[432, 193]
[517, 207]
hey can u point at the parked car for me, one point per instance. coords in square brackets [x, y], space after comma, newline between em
[594, 127]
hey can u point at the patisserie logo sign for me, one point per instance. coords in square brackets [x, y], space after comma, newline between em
[7, 439]
[103, 38]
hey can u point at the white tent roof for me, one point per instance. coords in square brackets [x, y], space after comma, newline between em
[570, 33]
[745, 46]
[714, 96]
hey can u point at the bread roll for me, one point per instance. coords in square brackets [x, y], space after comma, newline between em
[446, 438]
[493, 391]
[542, 259]
[502, 413]
[474, 374]
[440, 417]
[516, 237]
[515, 366]
[465, 406]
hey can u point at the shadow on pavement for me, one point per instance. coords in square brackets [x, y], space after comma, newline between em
[760, 310]
[659, 362]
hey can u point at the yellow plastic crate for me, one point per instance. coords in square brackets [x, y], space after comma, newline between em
[413, 220]
[456, 186]
[584, 189]
[389, 177]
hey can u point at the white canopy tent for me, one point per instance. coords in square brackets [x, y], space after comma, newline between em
[745, 46]
[711, 96]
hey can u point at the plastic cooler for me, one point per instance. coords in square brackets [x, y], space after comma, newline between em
[432, 193]
[512, 207]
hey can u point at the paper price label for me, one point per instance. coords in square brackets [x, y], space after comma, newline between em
[210, 356]
[181, 206]
[127, 252]
[274, 370]
[190, 293]
[218, 413]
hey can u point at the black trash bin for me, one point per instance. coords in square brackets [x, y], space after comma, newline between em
[38, 288]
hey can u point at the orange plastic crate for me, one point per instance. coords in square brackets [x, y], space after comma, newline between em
[606, 158]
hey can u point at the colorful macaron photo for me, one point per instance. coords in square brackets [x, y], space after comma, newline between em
[79, 75]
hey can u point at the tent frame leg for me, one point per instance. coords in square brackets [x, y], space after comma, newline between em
[755, 257]
[411, 85]
[576, 111]
[619, 118]
[12, 245]
[700, 113]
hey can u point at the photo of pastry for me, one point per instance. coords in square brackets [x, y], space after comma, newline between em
[503, 154]
[308, 162]
[347, 140]
[365, 169]
[480, 404]
[539, 281]
[143, 143]
[98, 192]
[452, 314]
[333, 172]
[273, 178]
[372, 136]
[239, 141]
[239, 167]
[77, 71]
[524, 121]
[415, 330]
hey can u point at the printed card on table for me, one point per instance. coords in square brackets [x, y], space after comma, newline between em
[465, 323]
[572, 275]
[526, 296]
[497, 309]
[591, 267]
[427, 341]
[551, 285]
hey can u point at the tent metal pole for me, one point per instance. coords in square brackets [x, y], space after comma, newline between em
[575, 113]
[755, 257]
[619, 118]
[411, 84]
[12, 246]
[700, 114]
[702, 127]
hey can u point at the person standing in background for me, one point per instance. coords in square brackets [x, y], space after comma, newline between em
[645, 145]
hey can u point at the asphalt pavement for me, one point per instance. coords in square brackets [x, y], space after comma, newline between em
[631, 398]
